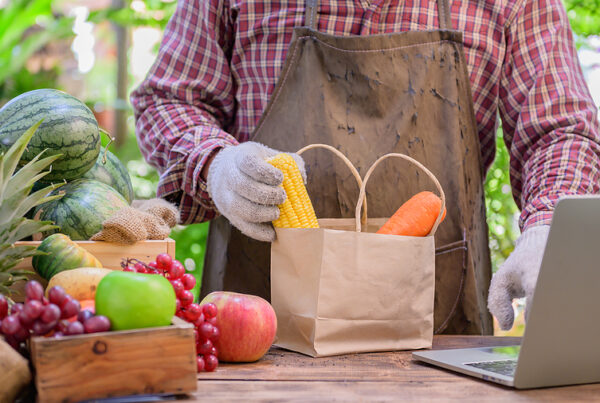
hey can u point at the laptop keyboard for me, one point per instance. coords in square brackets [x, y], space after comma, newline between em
[503, 367]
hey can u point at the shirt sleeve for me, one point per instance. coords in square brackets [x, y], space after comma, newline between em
[549, 119]
[186, 102]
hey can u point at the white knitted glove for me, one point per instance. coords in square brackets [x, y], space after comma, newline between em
[517, 276]
[245, 188]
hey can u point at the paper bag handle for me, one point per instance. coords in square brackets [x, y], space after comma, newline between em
[363, 189]
[349, 165]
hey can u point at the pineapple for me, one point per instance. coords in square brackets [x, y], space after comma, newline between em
[15, 202]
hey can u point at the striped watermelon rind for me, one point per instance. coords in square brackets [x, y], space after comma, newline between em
[113, 173]
[85, 204]
[69, 128]
[60, 254]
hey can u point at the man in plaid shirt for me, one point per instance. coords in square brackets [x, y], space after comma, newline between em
[220, 60]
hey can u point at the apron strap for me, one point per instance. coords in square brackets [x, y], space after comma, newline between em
[310, 14]
[444, 14]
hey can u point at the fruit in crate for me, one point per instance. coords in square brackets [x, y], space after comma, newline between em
[135, 300]
[203, 317]
[85, 204]
[111, 171]
[247, 324]
[61, 254]
[69, 128]
[80, 283]
[58, 314]
[16, 199]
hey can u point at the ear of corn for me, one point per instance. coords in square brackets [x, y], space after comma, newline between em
[297, 210]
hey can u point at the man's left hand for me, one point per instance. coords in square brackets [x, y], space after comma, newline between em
[517, 276]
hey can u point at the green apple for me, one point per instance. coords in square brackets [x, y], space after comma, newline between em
[135, 300]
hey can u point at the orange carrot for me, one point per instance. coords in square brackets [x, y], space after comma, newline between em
[415, 217]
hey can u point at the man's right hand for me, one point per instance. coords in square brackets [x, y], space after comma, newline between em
[245, 188]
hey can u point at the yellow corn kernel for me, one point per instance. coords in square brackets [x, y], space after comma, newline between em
[297, 210]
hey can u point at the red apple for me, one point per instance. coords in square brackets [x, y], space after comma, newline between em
[246, 323]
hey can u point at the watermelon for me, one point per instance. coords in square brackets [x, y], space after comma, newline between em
[61, 253]
[113, 173]
[85, 204]
[69, 128]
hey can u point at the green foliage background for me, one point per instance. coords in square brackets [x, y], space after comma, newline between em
[28, 26]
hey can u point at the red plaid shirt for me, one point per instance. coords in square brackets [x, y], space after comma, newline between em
[220, 59]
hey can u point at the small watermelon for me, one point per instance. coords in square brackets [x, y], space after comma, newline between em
[61, 253]
[85, 205]
[113, 173]
[69, 128]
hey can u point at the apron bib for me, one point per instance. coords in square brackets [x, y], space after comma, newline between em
[367, 96]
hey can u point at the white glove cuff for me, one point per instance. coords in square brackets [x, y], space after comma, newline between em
[533, 238]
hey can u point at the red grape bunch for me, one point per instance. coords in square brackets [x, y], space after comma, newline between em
[203, 317]
[57, 315]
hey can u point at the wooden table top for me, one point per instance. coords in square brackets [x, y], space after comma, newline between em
[282, 375]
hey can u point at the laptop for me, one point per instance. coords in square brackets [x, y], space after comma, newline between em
[561, 343]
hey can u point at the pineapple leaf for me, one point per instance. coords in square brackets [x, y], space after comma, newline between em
[12, 255]
[20, 203]
[10, 159]
[23, 228]
[29, 174]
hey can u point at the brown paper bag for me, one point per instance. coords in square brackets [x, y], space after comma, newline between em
[339, 290]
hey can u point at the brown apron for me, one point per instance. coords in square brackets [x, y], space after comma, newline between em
[367, 96]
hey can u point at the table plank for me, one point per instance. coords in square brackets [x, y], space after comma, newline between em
[451, 389]
[279, 364]
[391, 376]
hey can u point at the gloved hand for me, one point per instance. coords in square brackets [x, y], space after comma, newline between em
[245, 188]
[517, 276]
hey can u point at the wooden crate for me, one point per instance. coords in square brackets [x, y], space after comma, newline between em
[109, 254]
[160, 360]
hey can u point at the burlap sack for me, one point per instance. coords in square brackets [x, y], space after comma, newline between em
[145, 219]
[14, 373]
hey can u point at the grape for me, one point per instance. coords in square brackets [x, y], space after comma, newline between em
[188, 281]
[34, 290]
[11, 325]
[40, 327]
[200, 362]
[153, 265]
[211, 362]
[57, 295]
[193, 312]
[177, 286]
[84, 315]
[215, 334]
[205, 330]
[198, 322]
[177, 305]
[213, 351]
[97, 324]
[75, 328]
[180, 314]
[212, 321]
[128, 268]
[3, 307]
[177, 270]
[58, 334]
[70, 308]
[153, 271]
[139, 267]
[16, 308]
[164, 261]
[62, 325]
[186, 298]
[33, 308]
[45, 301]
[204, 347]
[22, 334]
[209, 310]
[25, 319]
[51, 313]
